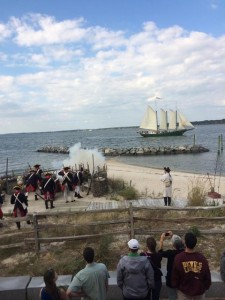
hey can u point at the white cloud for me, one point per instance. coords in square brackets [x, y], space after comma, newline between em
[69, 75]
[38, 30]
[4, 32]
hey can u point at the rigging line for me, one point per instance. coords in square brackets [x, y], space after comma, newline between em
[221, 166]
[217, 158]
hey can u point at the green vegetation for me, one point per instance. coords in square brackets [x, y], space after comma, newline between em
[112, 231]
[195, 231]
[120, 190]
[197, 192]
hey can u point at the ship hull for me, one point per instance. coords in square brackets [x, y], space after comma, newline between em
[163, 133]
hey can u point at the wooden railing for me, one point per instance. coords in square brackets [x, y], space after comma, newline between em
[130, 222]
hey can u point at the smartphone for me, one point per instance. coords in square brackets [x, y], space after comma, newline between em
[167, 233]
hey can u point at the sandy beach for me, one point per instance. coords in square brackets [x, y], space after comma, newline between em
[145, 180]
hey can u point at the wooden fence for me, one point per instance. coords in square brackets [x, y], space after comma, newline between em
[124, 222]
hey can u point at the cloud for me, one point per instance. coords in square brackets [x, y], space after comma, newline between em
[39, 30]
[214, 4]
[5, 32]
[65, 74]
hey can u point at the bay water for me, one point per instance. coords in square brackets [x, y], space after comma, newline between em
[18, 151]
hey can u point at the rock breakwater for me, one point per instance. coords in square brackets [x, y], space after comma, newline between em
[51, 149]
[138, 151]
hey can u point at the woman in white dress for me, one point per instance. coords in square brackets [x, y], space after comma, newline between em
[167, 180]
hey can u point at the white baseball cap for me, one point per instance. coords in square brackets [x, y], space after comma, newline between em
[133, 244]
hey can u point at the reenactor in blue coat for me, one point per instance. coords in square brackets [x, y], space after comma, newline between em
[48, 187]
[20, 202]
[78, 180]
[31, 183]
[39, 174]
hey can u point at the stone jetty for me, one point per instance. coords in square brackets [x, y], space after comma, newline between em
[136, 151]
[52, 149]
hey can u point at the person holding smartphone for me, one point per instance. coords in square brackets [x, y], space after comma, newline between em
[178, 246]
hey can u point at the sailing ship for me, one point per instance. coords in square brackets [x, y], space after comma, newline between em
[170, 123]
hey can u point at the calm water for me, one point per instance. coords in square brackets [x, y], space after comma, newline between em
[20, 149]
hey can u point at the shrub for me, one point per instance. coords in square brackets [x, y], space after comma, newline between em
[129, 193]
[116, 185]
[197, 192]
[195, 231]
[119, 187]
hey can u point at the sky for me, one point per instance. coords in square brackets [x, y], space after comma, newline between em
[87, 64]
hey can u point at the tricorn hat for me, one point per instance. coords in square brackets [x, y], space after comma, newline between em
[17, 187]
[48, 174]
[36, 166]
[66, 168]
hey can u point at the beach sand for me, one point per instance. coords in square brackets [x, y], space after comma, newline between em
[145, 180]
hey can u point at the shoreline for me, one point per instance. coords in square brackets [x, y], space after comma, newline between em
[147, 180]
[144, 179]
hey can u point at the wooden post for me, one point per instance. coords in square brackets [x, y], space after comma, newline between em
[6, 175]
[221, 142]
[93, 162]
[36, 234]
[194, 140]
[131, 221]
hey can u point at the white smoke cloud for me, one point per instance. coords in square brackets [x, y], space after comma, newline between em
[86, 157]
[56, 165]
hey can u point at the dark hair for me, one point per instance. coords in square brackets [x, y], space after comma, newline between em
[49, 277]
[190, 240]
[178, 245]
[89, 254]
[151, 244]
[167, 169]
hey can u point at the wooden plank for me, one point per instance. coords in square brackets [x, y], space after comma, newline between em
[36, 234]
[131, 221]
[73, 238]
[145, 231]
[111, 222]
[13, 220]
[17, 233]
[205, 219]
[195, 208]
[16, 245]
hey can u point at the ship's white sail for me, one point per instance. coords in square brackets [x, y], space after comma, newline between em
[172, 120]
[163, 120]
[150, 120]
[183, 122]
[171, 123]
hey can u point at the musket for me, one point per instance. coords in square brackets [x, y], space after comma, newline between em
[89, 188]
[40, 196]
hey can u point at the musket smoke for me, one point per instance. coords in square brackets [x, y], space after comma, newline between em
[78, 156]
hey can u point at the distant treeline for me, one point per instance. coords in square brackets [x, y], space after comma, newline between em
[208, 122]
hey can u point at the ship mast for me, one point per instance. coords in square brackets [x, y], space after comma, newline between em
[167, 123]
[177, 124]
[156, 110]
